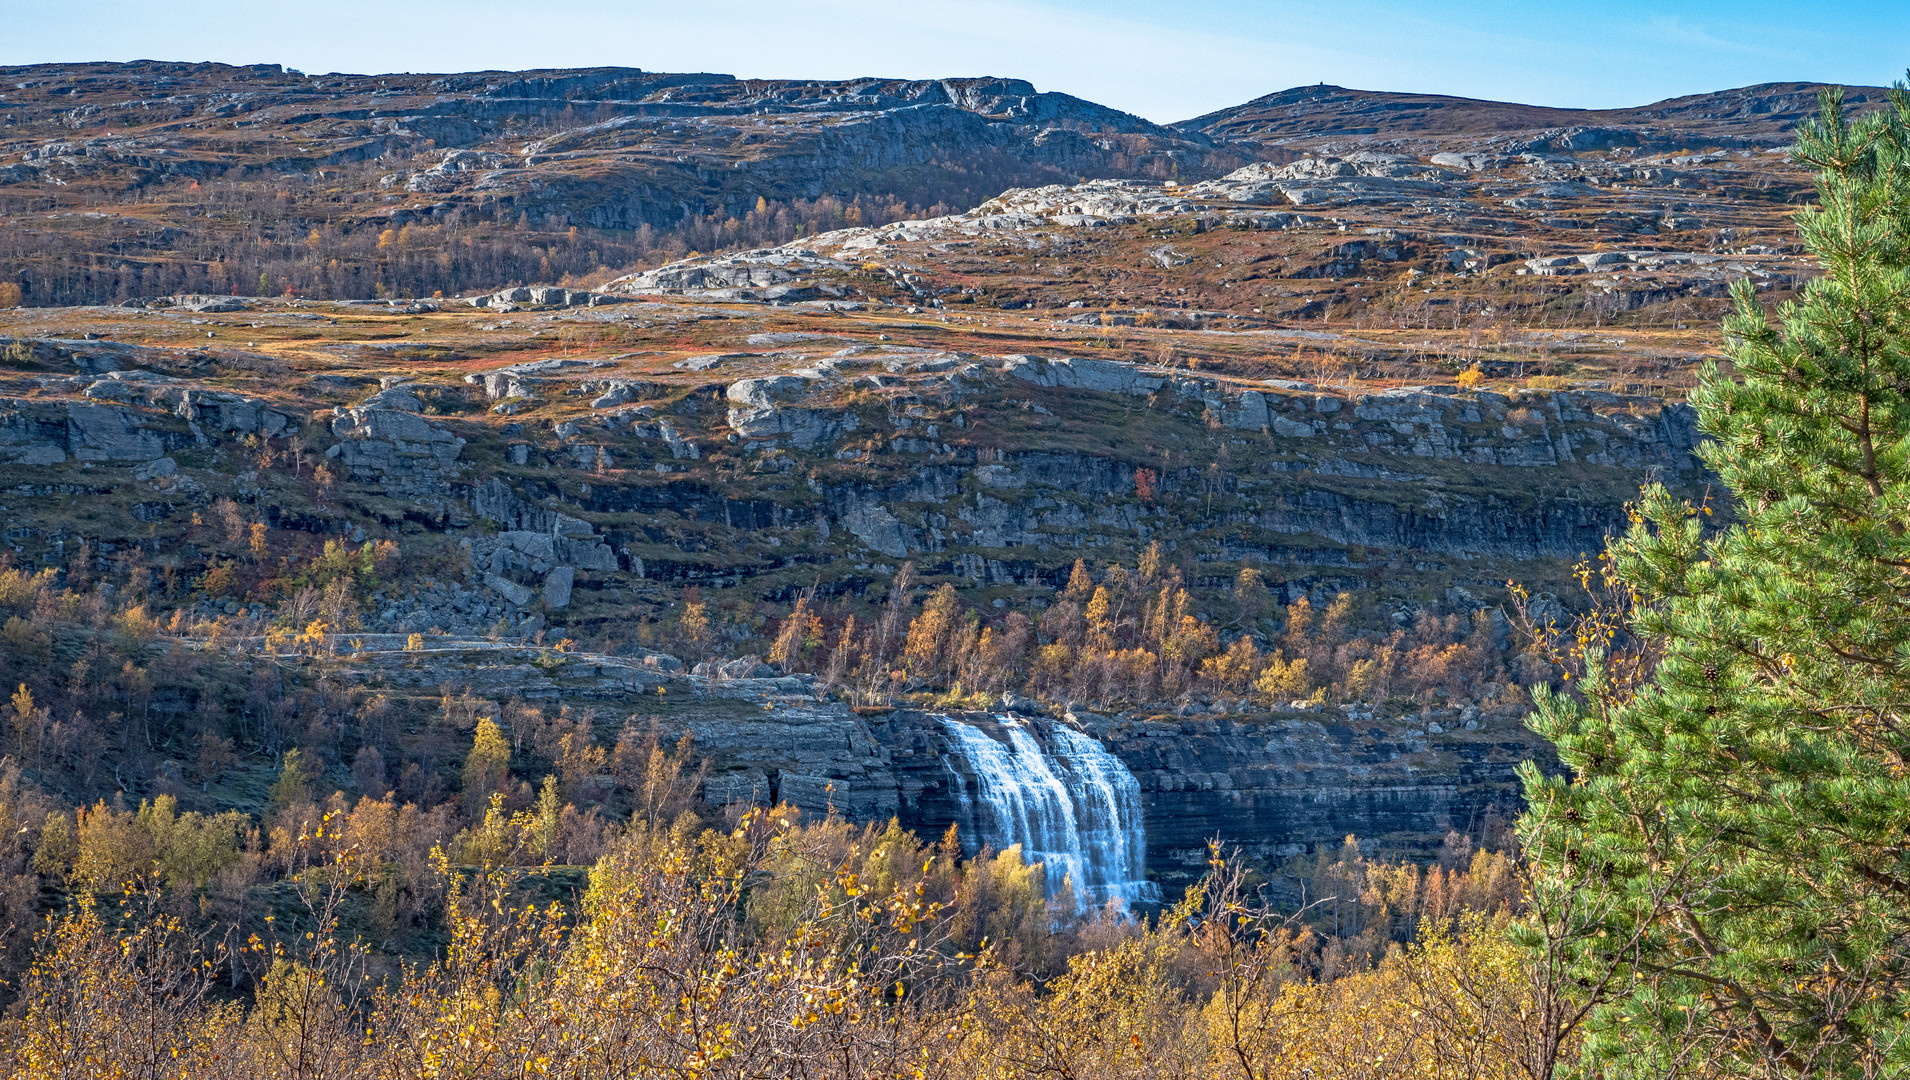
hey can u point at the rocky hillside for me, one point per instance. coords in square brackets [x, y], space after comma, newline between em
[1751, 116]
[1130, 440]
[618, 147]
[127, 180]
[160, 148]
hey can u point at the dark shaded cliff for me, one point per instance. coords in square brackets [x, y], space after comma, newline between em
[1272, 786]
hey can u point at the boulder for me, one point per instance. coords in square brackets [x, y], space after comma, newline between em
[400, 450]
[233, 414]
[1252, 414]
[764, 393]
[392, 426]
[395, 397]
[518, 595]
[557, 585]
[748, 667]
[552, 296]
[801, 428]
[1467, 162]
[134, 387]
[536, 545]
[618, 393]
[758, 414]
[585, 554]
[1550, 265]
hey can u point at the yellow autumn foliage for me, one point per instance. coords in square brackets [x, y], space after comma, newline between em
[772, 949]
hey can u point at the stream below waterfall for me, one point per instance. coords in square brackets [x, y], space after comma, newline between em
[1063, 797]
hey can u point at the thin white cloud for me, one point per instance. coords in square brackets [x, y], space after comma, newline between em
[1677, 31]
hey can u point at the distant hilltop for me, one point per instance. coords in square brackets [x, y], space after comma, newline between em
[173, 175]
[1760, 114]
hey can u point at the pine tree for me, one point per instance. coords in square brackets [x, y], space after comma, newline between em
[1727, 869]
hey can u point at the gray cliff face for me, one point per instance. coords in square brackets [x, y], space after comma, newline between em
[1273, 785]
[1293, 784]
[1466, 477]
[1315, 486]
[126, 416]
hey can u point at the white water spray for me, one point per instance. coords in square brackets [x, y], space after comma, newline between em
[1069, 803]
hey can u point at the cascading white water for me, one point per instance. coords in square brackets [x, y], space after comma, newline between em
[1070, 804]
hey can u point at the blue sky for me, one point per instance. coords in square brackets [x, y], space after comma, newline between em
[1166, 61]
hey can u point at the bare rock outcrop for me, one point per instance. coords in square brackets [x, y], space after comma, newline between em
[760, 410]
[400, 450]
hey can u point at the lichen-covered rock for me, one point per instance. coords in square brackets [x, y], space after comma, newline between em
[104, 433]
[764, 393]
[870, 522]
[557, 586]
[758, 412]
[510, 590]
[1107, 376]
[767, 273]
[400, 450]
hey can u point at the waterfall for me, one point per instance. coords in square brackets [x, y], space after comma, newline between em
[1068, 802]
